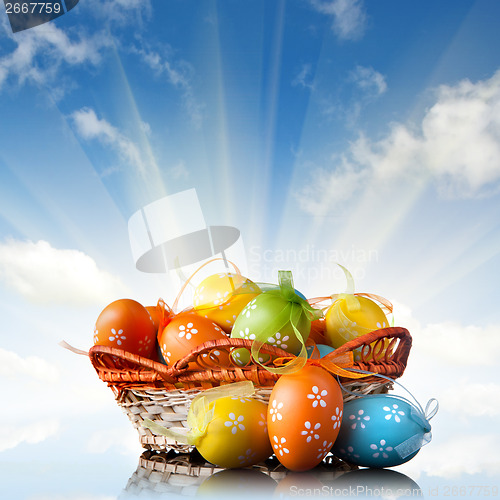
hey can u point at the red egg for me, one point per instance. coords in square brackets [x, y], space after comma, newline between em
[304, 416]
[187, 331]
[127, 325]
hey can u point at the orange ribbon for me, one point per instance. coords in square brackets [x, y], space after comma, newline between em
[333, 362]
[385, 304]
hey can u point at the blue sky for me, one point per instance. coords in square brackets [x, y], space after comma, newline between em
[364, 133]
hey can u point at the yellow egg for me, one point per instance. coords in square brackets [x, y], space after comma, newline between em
[351, 316]
[237, 483]
[237, 434]
[221, 297]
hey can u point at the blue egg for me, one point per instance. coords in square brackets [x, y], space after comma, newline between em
[161, 359]
[274, 287]
[322, 349]
[380, 431]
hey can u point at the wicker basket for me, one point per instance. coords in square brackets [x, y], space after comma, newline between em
[144, 388]
[181, 474]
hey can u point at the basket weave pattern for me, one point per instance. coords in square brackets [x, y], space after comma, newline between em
[162, 473]
[144, 388]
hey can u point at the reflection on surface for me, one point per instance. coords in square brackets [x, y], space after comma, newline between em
[378, 483]
[173, 475]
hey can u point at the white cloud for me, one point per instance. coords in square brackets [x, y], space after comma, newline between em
[120, 12]
[348, 17]
[467, 454]
[75, 496]
[455, 364]
[145, 127]
[456, 145]
[32, 433]
[179, 171]
[472, 399]
[13, 366]
[44, 274]
[90, 127]
[122, 438]
[304, 78]
[448, 341]
[461, 136]
[329, 190]
[179, 73]
[371, 82]
[41, 52]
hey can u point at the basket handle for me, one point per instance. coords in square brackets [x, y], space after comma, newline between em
[390, 332]
[98, 352]
[170, 373]
[180, 366]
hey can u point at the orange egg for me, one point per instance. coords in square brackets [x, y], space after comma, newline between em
[127, 325]
[185, 332]
[304, 416]
[299, 484]
[155, 314]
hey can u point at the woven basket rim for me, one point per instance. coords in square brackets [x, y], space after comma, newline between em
[124, 369]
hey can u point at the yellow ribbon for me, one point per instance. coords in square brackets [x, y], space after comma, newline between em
[201, 412]
[333, 362]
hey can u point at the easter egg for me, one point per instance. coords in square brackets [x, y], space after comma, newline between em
[155, 315]
[267, 318]
[379, 431]
[352, 316]
[236, 483]
[276, 287]
[299, 484]
[318, 351]
[237, 433]
[157, 355]
[185, 332]
[221, 297]
[395, 485]
[126, 324]
[304, 417]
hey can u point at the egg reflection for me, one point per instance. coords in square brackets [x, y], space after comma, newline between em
[237, 483]
[376, 483]
[179, 475]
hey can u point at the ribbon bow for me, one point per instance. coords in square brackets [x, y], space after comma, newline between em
[201, 412]
[295, 307]
[424, 436]
[417, 414]
[335, 363]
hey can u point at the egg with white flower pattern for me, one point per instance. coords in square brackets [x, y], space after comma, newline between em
[126, 324]
[304, 416]
[352, 316]
[187, 331]
[237, 433]
[380, 431]
[267, 318]
[222, 296]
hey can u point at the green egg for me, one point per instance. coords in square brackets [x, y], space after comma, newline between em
[274, 318]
